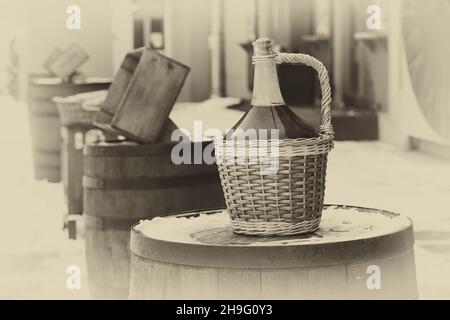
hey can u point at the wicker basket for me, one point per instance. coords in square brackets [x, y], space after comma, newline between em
[80, 109]
[289, 200]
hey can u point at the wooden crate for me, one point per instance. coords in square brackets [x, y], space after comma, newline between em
[142, 95]
[117, 90]
[55, 54]
[65, 63]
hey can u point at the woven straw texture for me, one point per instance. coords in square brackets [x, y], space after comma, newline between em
[80, 109]
[288, 200]
[71, 114]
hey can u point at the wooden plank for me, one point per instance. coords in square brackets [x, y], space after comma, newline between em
[150, 96]
[139, 278]
[327, 282]
[117, 89]
[198, 283]
[164, 281]
[239, 284]
[108, 261]
[409, 277]
[190, 282]
[284, 284]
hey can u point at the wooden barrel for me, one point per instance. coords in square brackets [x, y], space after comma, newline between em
[45, 123]
[76, 121]
[358, 253]
[125, 182]
[76, 112]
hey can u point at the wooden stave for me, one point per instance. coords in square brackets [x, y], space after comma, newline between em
[107, 269]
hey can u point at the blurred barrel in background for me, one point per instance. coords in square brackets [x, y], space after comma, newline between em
[125, 182]
[76, 113]
[44, 120]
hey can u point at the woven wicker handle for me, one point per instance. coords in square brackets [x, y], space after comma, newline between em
[326, 127]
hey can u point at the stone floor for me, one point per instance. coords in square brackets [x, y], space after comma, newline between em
[35, 253]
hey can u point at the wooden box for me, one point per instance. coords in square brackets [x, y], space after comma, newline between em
[142, 95]
[64, 64]
[55, 54]
[117, 90]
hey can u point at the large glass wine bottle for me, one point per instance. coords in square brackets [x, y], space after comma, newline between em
[268, 110]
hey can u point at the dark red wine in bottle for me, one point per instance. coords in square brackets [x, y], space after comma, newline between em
[268, 110]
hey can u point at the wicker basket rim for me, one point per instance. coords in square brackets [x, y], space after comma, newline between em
[322, 140]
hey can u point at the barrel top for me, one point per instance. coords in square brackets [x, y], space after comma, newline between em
[346, 234]
[213, 228]
[49, 81]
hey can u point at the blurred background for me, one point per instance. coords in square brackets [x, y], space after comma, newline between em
[390, 74]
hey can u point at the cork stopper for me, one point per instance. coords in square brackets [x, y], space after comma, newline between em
[263, 47]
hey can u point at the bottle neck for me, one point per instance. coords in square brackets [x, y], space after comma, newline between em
[266, 89]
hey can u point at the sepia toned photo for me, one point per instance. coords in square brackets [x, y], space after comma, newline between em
[245, 150]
